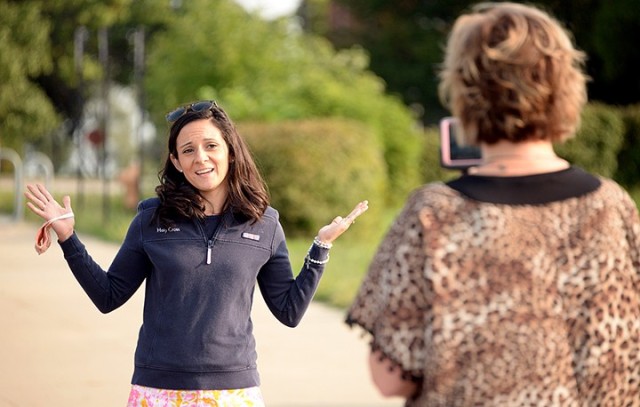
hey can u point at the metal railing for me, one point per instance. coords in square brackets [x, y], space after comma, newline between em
[42, 165]
[18, 181]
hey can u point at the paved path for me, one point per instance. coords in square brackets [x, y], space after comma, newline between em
[58, 350]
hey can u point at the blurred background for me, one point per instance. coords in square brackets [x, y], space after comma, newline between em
[337, 99]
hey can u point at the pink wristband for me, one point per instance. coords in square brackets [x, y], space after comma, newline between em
[43, 240]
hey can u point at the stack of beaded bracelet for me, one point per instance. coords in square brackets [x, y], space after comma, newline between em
[322, 245]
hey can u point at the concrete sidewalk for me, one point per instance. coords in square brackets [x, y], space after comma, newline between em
[59, 350]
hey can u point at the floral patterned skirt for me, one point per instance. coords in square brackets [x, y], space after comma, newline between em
[141, 396]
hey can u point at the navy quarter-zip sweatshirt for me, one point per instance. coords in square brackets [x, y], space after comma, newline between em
[197, 332]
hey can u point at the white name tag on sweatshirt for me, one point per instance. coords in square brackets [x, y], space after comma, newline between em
[250, 236]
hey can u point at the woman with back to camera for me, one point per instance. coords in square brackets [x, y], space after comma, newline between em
[518, 283]
[201, 245]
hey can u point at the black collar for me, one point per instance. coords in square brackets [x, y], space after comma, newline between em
[535, 189]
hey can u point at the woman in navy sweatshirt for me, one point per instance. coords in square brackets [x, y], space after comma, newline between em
[201, 245]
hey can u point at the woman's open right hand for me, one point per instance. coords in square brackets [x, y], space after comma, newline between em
[41, 202]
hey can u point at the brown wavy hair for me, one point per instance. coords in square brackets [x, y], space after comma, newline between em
[248, 195]
[510, 72]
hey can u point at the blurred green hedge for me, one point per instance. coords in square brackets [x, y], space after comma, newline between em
[607, 143]
[318, 169]
[597, 142]
[431, 169]
[628, 171]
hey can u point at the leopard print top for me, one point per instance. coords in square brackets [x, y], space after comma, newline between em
[510, 305]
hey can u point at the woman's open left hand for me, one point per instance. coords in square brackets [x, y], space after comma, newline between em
[339, 225]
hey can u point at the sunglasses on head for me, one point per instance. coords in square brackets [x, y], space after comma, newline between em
[201, 106]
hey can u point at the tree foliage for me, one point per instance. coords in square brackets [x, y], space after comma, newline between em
[25, 111]
[41, 68]
[613, 42]
[62, 83]
[38, 63]
[259, 70]
[267, 71]
[405, 41]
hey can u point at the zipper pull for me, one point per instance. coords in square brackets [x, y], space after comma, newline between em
[209, 246]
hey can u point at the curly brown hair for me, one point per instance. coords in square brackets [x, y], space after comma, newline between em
[511, 72]
[248, 195]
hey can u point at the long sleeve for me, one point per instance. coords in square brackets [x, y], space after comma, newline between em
[287, 297]
[109, 289]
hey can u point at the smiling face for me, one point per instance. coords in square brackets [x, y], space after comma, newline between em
[203, 158]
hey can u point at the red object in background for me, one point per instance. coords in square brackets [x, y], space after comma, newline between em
[96, 137]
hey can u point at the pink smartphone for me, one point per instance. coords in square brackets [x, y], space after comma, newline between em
[453, 155]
